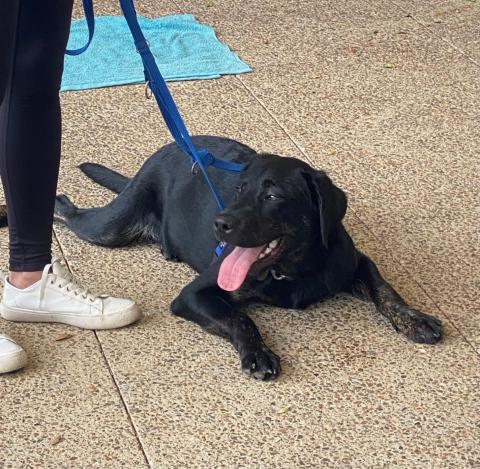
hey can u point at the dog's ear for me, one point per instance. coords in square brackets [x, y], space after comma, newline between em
[330, 201]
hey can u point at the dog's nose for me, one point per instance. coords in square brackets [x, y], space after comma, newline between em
[223, 224]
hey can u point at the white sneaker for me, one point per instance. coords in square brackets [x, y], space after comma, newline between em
[12, 356]
[57, 297]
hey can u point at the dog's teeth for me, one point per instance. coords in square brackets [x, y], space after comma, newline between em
[261, 256]
[273, 244]
[268, 251]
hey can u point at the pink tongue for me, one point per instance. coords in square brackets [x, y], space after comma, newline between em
[235, 267]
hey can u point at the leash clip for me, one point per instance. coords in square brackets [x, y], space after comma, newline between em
[148, 90]
[278, 276]
[194, 168]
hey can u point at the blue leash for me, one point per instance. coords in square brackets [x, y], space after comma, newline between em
[200, 158]
[90, 17]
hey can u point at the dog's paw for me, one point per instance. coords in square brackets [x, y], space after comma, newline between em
[262, 364]
[419, 327]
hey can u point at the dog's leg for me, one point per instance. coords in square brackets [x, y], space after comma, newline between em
[417, 326]
[116, 224]
[214, 310]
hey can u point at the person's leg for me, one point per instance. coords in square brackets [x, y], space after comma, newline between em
[8, 26]
[37, 288]
[12, 356]
[30, 131]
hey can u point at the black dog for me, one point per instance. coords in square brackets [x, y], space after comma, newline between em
[286, 245]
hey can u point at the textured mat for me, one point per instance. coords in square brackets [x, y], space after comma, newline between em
[184, 48]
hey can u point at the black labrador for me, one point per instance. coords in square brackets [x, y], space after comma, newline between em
[286, 245]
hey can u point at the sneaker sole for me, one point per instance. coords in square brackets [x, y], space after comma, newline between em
[109, 321]
[13, 362]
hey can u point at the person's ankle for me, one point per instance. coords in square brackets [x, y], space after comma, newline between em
[23, 280]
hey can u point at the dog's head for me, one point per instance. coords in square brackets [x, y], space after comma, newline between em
[284, 211]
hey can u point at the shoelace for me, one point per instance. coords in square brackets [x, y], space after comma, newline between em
[65, 281]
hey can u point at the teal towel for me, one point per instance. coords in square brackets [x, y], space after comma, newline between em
[184, 49]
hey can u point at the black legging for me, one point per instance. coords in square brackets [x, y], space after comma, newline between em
[33, 37]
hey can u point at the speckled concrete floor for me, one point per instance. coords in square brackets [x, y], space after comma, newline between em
[383, 95]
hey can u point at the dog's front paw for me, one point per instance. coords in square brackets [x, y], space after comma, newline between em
[419, 327]
[262, 364]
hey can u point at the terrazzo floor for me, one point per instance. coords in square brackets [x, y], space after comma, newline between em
[384, 96]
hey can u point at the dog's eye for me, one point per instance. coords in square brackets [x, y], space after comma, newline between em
[272, 197]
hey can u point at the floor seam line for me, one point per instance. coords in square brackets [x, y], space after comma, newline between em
[438, 36]
[262, 104]
[355, 214]
[178, 6]
[110, 371]
[124, 403]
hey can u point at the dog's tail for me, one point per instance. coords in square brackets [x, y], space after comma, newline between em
[104, 176]
[3, 216]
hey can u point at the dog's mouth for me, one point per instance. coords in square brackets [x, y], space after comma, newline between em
[236, 266]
